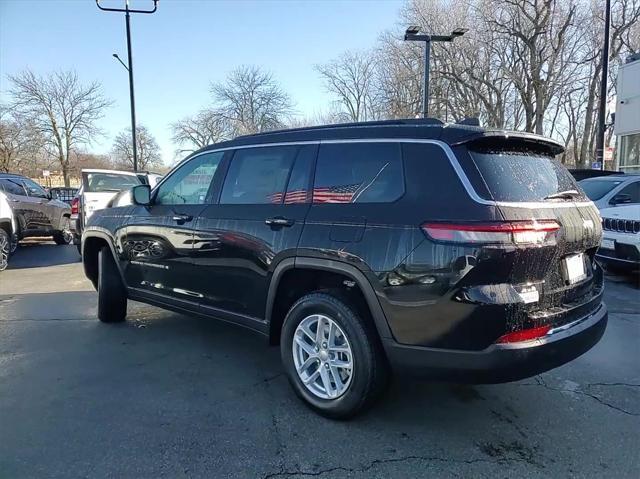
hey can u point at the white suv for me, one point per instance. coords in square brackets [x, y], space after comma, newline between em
[620, 248]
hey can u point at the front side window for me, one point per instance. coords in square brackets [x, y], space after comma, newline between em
[633, 190]
[258, 175]
[12, 186]
[189, 184]
[359, 173]
[34, 189]
[596, 189]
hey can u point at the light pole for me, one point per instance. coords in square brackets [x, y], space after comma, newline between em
[412, 35]
[602, 107]
[129, 67]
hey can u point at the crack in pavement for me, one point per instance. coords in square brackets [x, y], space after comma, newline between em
[377, 462]
[541, 382]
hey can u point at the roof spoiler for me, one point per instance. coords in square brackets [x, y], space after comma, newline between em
[502, 138]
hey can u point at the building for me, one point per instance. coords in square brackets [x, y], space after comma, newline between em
[627, 123]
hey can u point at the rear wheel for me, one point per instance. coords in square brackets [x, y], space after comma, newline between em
[64, 235]
[332, 356]
[112, 296]
[5, 249]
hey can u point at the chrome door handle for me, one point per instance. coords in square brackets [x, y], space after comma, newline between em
[181, 219]
[279, 221]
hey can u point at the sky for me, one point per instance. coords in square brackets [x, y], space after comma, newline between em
[183, 47]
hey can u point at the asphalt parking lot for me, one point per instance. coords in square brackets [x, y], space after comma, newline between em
[165, 395]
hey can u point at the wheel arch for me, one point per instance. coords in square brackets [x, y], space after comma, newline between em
[92, 242]
[275, 316]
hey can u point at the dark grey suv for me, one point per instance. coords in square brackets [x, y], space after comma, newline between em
[37, 212]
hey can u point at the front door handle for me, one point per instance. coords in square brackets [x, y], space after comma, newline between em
[279, 221]
[181, 218]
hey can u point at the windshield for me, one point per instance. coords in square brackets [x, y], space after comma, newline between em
[596, 189]
[97, 182]
[523, 176]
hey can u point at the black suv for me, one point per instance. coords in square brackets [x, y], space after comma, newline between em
[452, 251]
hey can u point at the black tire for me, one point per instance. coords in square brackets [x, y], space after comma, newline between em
[5, 249]
[112, 296]
[370, 368]
[64, 236]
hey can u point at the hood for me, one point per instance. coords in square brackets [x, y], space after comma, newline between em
[627, 212]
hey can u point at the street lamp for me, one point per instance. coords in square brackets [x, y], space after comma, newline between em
[412, 34]
[129, 67]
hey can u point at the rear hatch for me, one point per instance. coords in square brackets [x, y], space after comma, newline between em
[99, 187]
[558, 276]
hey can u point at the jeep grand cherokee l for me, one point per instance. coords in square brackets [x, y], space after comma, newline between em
[451, 251]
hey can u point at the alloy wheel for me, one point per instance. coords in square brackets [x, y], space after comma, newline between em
[322, 356]
[5, 247]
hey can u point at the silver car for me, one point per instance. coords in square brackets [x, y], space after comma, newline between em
[37, 213]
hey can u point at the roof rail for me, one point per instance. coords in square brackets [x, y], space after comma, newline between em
[397, 122]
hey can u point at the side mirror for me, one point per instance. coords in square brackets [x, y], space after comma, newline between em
[141, 195]
[620, 199]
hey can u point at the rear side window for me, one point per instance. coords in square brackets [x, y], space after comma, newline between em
[359, 173]
[258, 175]
[13, 187]
[521, 175]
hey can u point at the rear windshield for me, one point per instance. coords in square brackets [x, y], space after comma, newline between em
[596, 189]
[97, 182]
[521, 175]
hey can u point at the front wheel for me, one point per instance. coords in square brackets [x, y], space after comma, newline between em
[332, 356]
[112, 296]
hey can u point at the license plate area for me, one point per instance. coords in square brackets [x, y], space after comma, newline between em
[608, 244]
[573, 268]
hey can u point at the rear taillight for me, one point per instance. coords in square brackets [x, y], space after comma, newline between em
[515, 232]
[524, 335]
[75, 206]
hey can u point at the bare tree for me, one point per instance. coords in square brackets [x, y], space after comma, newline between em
[204, 128]
[350, 79]
[252, 101]
[148, 150]
[61, 108]
[19, 140]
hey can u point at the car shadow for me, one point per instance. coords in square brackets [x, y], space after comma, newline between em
[38, 253]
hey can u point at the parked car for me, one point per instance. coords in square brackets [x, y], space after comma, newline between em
[620, 248]
[37, 212]
[608, 191]
[454, 252]
[63, 193]
[96, 190]
[7, 231]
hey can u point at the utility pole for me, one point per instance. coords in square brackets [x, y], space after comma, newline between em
[127, 11]
[602, 110]
[412, 35]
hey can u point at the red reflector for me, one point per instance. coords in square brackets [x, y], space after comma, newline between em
[524, 335]
[508, 227]
[74, 206]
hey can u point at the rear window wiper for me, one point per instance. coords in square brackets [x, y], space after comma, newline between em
[568, 194]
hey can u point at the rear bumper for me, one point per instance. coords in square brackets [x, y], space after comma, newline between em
[502, 362]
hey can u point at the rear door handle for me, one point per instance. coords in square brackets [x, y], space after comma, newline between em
[279, 221]
[181, 219]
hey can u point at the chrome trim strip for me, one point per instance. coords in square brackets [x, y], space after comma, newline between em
[445, 147]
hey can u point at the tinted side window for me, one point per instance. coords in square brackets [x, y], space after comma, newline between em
[190, 183]
[34, 189]
[633, 190]
[258, 175]
[298, 187]
[359, 173]
[11, 186]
